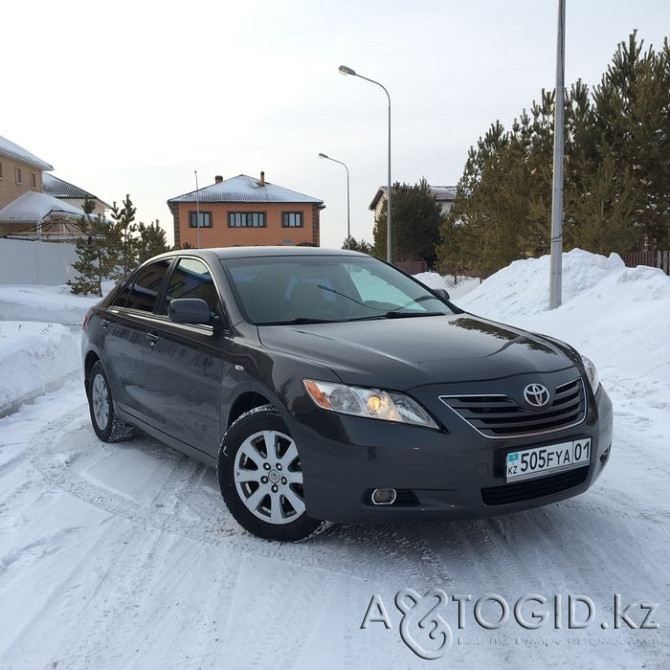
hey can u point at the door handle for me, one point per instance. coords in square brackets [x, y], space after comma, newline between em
[105, 324]
[153, 338]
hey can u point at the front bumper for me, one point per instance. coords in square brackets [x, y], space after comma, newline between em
[456, 472]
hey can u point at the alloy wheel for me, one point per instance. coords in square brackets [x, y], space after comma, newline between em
[268, 477]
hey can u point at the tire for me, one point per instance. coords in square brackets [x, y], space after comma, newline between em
[101, 407]
[261, 479]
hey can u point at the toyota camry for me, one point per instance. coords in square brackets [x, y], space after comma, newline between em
[329, 386]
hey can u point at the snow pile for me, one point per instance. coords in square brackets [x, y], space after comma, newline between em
[52, 304]
[457, 289]
[523, 287]
[40, 340]
[618, 316]
[34, 358]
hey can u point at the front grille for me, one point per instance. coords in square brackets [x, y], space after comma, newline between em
[500, 416]
[535, 488]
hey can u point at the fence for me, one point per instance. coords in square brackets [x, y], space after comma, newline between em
[32, 262]
[655, 259]
[412, 267]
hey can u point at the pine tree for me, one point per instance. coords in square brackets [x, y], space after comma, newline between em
[415, 222]
[91, 249]
[353, 244]
[633, 99]
[617, 172]
[152, 241]
[122, 246]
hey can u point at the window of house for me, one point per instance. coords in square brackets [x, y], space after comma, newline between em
[291, 219]
[246, 219]
[19, 176]
[33, 180]
[0, 169]
[205, 219]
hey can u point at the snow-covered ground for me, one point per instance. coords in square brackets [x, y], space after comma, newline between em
[123, 556]
[39, 341]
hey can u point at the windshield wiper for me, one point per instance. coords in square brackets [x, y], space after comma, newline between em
[395, 314]
[306, 319]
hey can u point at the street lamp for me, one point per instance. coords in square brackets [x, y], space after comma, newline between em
[556, 258]
[348, 208]
[197, 210]
[348, 71]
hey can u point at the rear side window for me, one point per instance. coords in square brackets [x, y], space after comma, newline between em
[145, 289]
[192, 279]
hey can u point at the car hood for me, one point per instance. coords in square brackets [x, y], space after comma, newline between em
[404, 353]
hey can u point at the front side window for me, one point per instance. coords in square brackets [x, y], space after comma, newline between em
[291, 219]
[143, 292]
[205, 219]
[246, 219]
[192, 279]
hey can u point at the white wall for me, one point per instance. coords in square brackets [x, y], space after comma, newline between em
[28, 262]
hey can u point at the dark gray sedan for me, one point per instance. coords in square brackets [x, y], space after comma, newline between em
[329, 386]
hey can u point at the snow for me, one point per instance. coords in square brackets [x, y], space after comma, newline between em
[32, 206]
[457, 287]
[34, 357]
[40, 340]
[12, 150]
[123, 556]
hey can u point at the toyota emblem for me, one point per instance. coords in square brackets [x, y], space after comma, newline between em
[536, 395]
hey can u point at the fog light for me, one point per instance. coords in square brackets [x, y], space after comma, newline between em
[605, 457]
[383, 496]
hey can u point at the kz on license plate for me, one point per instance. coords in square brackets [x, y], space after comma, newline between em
[541, 460]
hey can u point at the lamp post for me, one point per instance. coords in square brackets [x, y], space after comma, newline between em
[348, 207]
[556, 257]
[348, 71]
[197, 210]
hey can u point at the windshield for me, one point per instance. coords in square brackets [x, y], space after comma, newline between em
[318, 289]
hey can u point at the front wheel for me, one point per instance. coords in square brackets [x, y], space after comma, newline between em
[261, 478]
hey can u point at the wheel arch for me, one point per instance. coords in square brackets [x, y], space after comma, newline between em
[91, 359]
[246, 401]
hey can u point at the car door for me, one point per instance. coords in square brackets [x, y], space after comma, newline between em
[126, 327]
[185, 363]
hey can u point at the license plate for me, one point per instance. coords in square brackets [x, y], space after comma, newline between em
[538, 461]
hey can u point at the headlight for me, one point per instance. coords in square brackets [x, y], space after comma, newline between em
[591, 373]
[370, 403]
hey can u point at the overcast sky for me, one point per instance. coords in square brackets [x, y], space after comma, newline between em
[133, 96]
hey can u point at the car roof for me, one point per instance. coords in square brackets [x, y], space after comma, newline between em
[263, 252]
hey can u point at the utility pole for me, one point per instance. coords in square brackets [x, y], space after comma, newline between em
[197, 209]
[556, 279]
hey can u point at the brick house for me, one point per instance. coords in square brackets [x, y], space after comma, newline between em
[71, 194]
[244, 211]
[35, 204]
[20, 172]
[444, 197]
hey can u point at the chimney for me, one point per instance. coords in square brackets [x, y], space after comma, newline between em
[218, 179]
[262, 178]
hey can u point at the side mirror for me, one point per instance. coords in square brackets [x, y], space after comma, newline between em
[189, 310]
[442, 294]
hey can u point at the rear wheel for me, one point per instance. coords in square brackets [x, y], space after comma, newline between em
[101, 406]
[261, 478]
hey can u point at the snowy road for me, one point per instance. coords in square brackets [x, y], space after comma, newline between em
[123, 556]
